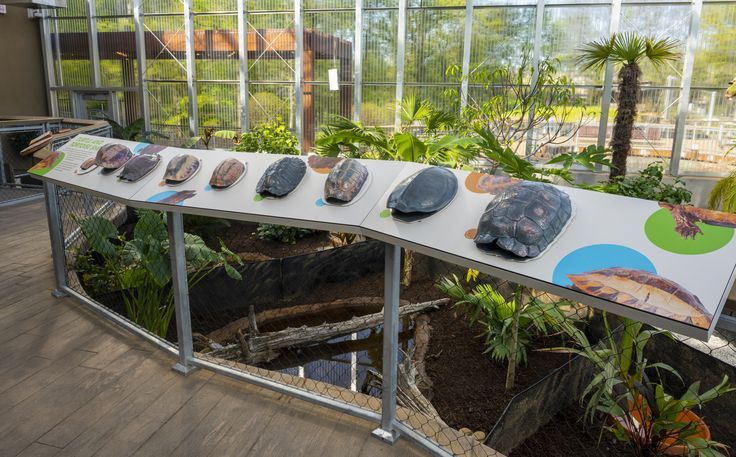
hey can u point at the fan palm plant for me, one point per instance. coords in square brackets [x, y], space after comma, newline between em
[628, 51]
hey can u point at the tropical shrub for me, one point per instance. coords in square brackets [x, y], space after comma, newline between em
[140, 268]
[648, 185]
[723, 195]
[282, 233]
[272, 137]
[135, 131]
[624, 388]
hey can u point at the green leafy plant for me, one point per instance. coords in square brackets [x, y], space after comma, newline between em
[723, 195]
[628, 51]
[135, 131]
[509, 326]
[206, 138]
[140, 268]
[272, 137]
[642, 414]
[648, 185]
[282, 233]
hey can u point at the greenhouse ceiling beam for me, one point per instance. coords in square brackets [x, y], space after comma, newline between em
[358, 61]
[191, 69]
[467, 41]
[299, 72]
[94, 46]
[140, 46]
[687, 76]
[243, 64]
[400, 53]
[608, 80]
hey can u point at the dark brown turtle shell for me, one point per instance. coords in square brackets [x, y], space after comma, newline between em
[524, 219]
[181, 168]
[138, 167]
[112, 156]
[423, 194]
[227, 173]
[281, 177]
[345, 181]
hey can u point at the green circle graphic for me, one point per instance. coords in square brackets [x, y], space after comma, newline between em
[385, 213]
[258, 198]
[660, 229]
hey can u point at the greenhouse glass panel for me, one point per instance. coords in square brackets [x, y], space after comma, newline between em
[431, 3]
[269, 5]
[379, 48]
[165, 48]
[269, 101]
[169, 110]
[500, 36]
[216, 47]
[64, 103]
[444, 97]
[162, 6]
[74, 8]
[380, 3]
[114, 7]
[214, 6]
[118, 56]
[271, 45]
[659, 21]
[129, 106]
[327, 4]
[566, 29]
[379, 106]
[218, 106]
[715, 57]
[436, 42]
[328, 44]
[70, 51]
[710, 134]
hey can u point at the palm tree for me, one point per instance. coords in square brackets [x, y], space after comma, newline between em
[626, 50]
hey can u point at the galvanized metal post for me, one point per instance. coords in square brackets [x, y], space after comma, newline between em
[467, 42]
[140, 48]
[48, 63]
[53, 216]
[243, 63]
[687, 76]
[299, 72]
[175, 223]
[392, 274]
[608, 79]
[191, 69]
[400, 55]
[538, 27]
[358, 61]
[94, 48]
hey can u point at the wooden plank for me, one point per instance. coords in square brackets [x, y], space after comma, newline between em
[39, 450]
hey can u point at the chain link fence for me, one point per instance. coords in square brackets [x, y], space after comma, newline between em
[484, 366]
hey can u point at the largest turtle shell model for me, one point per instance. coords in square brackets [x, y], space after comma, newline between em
[524, 219]
[227, 173]
[345, 181]
[422, 194]
[646, 291]
[138, 167]
[281, 177]
[181, 168]
[112, 156]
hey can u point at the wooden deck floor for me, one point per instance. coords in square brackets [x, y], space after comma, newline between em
[71, 384]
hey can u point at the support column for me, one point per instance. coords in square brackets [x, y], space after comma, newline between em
[48, 63]
[94, 48]
[243, 64]
[608, 79]
[175, 224]
[358, 61]
[539, 24]
[191, 69]
[687, 76]
[467, 42]
[299, 73]
[140, 52]
[400, 57]
[53, 215]
[392, 275]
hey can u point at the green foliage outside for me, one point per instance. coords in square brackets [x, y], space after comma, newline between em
[140, 268]
[625, 387]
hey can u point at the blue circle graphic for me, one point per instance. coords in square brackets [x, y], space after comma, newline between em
[597, 257]
[162, 195]
[320, 202]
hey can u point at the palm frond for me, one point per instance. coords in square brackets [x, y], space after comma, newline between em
[661, 51]
[723, 195]
[413, 109]
[595, 55]
[627, 48]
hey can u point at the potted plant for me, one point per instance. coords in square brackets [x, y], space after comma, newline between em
[640, 412]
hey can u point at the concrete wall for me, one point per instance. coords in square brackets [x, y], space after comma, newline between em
[22, 81]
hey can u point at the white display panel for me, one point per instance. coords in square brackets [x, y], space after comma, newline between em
[672, 259]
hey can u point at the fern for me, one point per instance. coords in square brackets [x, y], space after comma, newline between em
[723, 195]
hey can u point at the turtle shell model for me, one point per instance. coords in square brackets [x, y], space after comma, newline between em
[524, 219]
[181, 168]
[86, 166]
[227, 173]
[422, 194]
[281, 177]
[646, 291]
[138, 167]
[345, 181]
[112, 156]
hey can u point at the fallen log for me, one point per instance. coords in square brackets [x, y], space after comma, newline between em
[267, 346]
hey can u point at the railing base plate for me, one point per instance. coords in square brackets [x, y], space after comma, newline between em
[185, 370]
[56, 293]
[389, 437]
